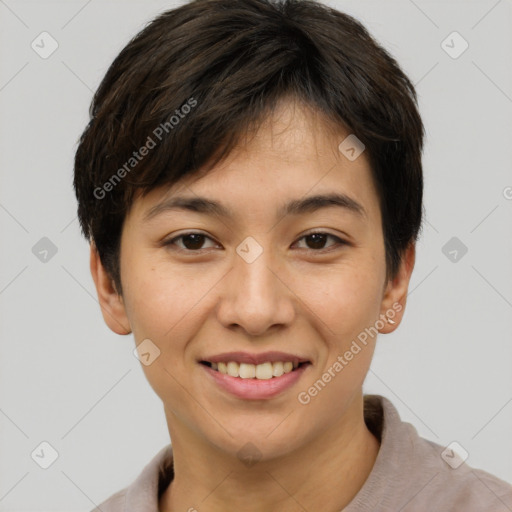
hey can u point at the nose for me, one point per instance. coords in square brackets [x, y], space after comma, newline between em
[255, 296]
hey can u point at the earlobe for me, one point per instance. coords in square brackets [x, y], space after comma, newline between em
[111, 303]
[395, 295]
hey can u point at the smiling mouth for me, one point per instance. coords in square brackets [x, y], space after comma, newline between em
[263, 371]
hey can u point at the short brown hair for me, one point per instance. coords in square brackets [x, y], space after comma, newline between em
[207, 71]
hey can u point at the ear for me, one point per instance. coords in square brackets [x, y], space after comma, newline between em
[111, 303]
[395, 294]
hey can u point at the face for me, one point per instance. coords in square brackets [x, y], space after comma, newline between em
[253, 276]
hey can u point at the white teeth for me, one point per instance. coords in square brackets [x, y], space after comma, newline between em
[277, 369]
[247, 371]
[233, 369]
[262, 371]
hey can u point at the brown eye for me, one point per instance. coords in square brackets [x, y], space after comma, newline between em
[190, 242]
[193, 241]
[317, 241]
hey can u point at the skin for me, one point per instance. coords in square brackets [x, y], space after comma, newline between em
[298, 297]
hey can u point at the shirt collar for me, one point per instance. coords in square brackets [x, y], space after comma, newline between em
[382, 420]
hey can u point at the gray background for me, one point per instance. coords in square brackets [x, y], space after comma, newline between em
[66, 379]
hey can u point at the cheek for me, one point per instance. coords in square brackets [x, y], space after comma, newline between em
[158, 294]
[158, 302]
[346, 307]
[162, 306]
[168, 305]
[343, 299]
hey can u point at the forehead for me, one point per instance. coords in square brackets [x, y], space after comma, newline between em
[294, 153]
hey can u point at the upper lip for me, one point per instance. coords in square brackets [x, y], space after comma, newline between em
[246, 357]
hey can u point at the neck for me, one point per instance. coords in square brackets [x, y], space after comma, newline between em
[324, 474]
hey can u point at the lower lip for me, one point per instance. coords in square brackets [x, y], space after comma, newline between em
[256, 389]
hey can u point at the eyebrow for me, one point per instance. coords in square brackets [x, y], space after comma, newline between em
[302, 206]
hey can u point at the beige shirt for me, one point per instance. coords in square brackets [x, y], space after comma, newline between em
[411, 474]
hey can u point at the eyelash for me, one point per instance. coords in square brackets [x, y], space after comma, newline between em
[171, 242]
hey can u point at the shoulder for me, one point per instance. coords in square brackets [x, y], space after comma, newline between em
[457, 486]
[414, 474]
[143, 493]
[116, 503]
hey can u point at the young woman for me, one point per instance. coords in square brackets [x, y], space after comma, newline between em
[251, 184]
